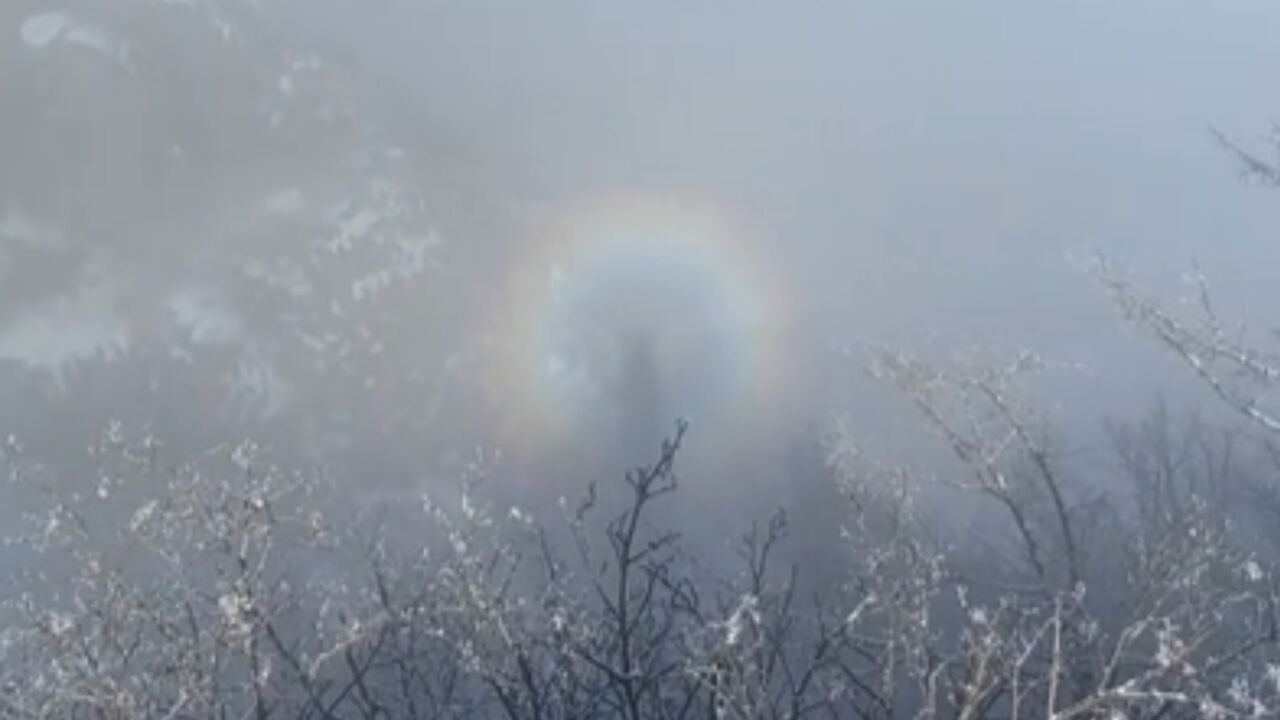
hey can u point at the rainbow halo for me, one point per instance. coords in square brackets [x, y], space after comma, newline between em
[634, 306]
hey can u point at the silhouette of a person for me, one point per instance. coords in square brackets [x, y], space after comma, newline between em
[639, 412]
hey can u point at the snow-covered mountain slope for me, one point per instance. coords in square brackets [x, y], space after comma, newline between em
[210, 211]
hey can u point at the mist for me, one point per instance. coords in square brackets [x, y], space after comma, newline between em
[972, 295]
[922, 175]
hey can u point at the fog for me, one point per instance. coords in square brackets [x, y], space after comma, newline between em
[919, 173]
[333, 335]
[966, 151]
[922, 176]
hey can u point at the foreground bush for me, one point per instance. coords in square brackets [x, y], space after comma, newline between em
[228, 587]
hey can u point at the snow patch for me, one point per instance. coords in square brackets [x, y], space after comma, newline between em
[354, 228]
[68, 330]
[204, 313]
[90, 37]
[283, 276]
[39, 31]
